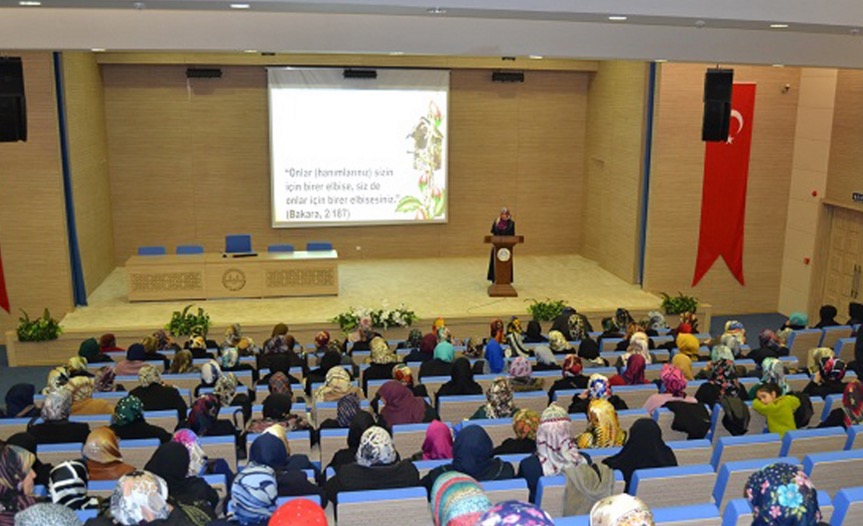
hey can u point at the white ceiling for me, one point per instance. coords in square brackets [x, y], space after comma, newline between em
[820, 32]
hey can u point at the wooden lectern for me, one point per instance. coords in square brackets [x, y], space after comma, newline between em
[503, 247]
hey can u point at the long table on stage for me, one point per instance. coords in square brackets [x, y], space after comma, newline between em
[208, 276]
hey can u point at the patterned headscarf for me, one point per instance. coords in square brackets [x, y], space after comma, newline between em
[57, 405]
[226, 388]
[197, 456]
[45, 514]
[831, 368]
[129, 409]
[204, 413]
[782, 495]
[415, 338]
[621, 510]
[656, 321]
[376, 448]
[772, 371]
[253, 494]
[280, 384]
[768, 340]
[67, 484]
[182, 362]
[210, 372]
[402, 373]
[525, 423]
[275, 345]
[381, 353]
[555, 445]
[513, 512]
[734, 342]
[852, 403]
[230, 357]
[336, 385]
[557, 342]
[457, 500]
[603, 428]
[163, 340]
[81, 388]
[104, 382]
[102, 446]
[813, 358]
[572, 366]
[347, 407]
[76, 364]
[520, 368]
[673, 380]
[721, 352]
[197, 343]
[57, 378]
[233, 334]
[149, 375]
[499, 396]
[598, 387]
[634, 373]
[140, 497]
[724, 375]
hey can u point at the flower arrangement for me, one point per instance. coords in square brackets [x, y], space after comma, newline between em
[545, 310]
[382, 318]
[187, 324]
[41, 329]
[679, 304]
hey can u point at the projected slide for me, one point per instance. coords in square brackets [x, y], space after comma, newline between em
[349, 151]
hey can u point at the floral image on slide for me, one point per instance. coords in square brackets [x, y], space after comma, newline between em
[427, 159]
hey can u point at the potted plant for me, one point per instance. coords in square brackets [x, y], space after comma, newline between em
[545, 310]
[184, 323]
[41, 329]
[679, 304]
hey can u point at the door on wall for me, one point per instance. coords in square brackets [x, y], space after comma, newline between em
[845, 260]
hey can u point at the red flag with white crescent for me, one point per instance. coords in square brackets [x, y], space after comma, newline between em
[723, 198]
[4, 294]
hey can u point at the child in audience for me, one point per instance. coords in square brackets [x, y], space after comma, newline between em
[776, 407]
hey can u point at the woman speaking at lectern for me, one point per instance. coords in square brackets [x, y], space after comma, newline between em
[502, 226]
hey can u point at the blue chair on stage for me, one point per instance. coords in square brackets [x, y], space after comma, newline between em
[238, 243]
[280, 248]
[152, 251]
[314, 246]
[189, 249]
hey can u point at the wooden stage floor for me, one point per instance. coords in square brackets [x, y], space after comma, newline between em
[450, 287]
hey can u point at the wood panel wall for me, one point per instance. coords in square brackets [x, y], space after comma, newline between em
[189, 163]
[88, 163]
[846, 155]
[674, 212]
[33, 237]
[612, 206]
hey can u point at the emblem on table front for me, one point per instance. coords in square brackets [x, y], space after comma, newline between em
[504, 254]
[234, 279]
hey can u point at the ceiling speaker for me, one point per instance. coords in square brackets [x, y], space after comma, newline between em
[360, 74]
[203, 73]
[507, 76]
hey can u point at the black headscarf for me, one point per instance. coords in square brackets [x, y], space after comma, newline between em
[534, 333]
[27, 441]
[644, 449]
[473, 451]
[277, 406]
[279, 363]
[858, 353]
[462, 382]
[136, 353]
[828, 316]
[359, 423]
[561, 323]
[855, 311]
[171, 462]
[19, 401]
[588, 349]
[329, 360]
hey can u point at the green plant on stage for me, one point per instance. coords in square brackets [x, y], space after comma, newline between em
[545, 310]
[428, 159]
[382, 318]
[185, 323]
[679, 304]
[41, 329]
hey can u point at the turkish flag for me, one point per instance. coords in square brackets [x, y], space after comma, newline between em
[723, 198]
[4, 294]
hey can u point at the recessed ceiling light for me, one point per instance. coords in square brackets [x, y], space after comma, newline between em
[29, 3]
[240, 6]
[778, 65]
[97, 50]
[395, 53]
[436, 10]
[660, 60]
[250, 51]
[778, 26]
[535, 57]
[617, 18]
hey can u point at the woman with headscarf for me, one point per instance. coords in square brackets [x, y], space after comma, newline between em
[603, 427]
[359, 423]
[684, 363]
[633, 374]
[210, 374]
[524, 425]
[171, 462]
[182, 363]
[269, 450]
[346, 408]
[514, 338]
[102, 454]
[520, 376]
[229, 361]
[77, 366]
[226, 391]
[136, 357]
[197, 345]
[27, 442]
[128, 421]
[770, 347]
[437, 444]
[688, 344]
[782, 495]
[461, 381]
[377, 467]
[16, 482]
[67, 486]
[331, 358]
[155, 395]
[797, 321]
[850, 413]
[644, 449]
[19, 401]
[722, 382]
[588, 351]
[572, 377]
[402, 373]
[414, 342]
[828, 378]
[534, 333]
[494, 357]
[496, 331]
[57, 379]
[556, 449]
[278, 363]
[472, 454]
[277, 411]
[500, 401]
[103, 381]
[197, 457]
[382, 360]
[598, 387]
[91, 351]
[402, 407]
[557, 343]
[83, 403]
[441, 364]
[772, 372]
[457, 500]
[621, 510]
[674, 385]
[204, 418]
[545, 360]
[56, 427]
[337, 384]
[516, 512]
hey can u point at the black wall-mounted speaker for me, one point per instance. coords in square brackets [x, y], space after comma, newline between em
[718, 85]
[203, 73]
[507, 76]
[360, 74]
[13, 106]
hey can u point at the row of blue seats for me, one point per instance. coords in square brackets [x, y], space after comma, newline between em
[156, 250]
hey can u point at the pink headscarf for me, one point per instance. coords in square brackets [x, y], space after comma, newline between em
[402, 407]
[634, 374]
[438, 442]
[674, 381]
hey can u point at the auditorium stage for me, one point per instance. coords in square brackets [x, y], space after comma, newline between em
[448, 287]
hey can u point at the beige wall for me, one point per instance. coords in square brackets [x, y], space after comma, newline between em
[88, 164]
[677, 172]
[615, 138]
[32, 218]
[846, 154]
[189, 163]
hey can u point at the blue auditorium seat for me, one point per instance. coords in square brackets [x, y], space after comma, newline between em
[189, 249]
[152, 251]
[85, 515]
[280, 248]
[680, 485]
[746, 447]
[238, 243]
[848, 507]
[732, 477]
[314, 246]
[802, 442]
[834, 470]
